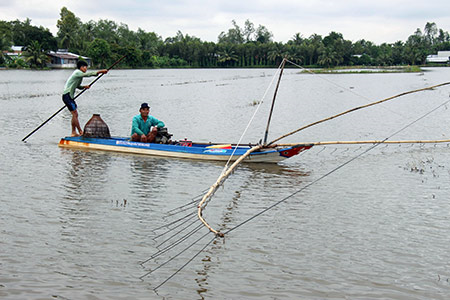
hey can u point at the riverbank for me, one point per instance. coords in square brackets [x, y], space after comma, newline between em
[307, 69]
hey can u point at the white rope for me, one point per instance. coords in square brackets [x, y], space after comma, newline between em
[251, 119]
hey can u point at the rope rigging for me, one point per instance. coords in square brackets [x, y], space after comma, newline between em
[206, 196]
[228, 170]
[358, 108]
[335, 169]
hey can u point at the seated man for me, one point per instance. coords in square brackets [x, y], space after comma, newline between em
[140, 129]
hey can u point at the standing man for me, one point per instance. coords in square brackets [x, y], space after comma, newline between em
[140, 129]
[72, 83]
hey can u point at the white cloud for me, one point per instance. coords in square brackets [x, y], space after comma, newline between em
[377, 21]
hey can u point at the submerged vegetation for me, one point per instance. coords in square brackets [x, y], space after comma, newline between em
[365, 70]
[104, 41]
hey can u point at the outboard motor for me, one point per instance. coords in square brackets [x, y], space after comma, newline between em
[163, 136]
[96, 128]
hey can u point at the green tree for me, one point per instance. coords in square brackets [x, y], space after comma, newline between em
[329, 58]
[249, 30]
[416, 48]
[35, 55]
[234, 35]
[314, 47]
[276, 53]
[385, 55]
[398, 53]
[227, 55]
[443, 36]
[185, 47]
[430, 32]
[263, 35]
[107, 30]
[133, 55]
[297, 39]
[107, 40]
[365, 60]
[148, 41]
[337, 48]
[84, 37]
[68, 27]
[295, 53]
[99, 52]
[5, 40]
[23, 34]
[127, 37]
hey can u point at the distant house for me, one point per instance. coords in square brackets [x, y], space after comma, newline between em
[15, 52]
[440, 57]
[62, 59]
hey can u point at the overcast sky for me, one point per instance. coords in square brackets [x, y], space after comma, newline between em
[377, 21]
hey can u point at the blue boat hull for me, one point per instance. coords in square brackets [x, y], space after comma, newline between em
[202, 151]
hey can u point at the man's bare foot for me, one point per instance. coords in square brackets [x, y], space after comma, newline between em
[74, 134]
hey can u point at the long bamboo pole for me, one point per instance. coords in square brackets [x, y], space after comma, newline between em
[355, 109]
[201, 206]
[365, 142]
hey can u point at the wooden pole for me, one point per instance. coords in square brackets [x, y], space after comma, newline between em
[79, 94]
[273, 101]
[365, 142]
[228, 171]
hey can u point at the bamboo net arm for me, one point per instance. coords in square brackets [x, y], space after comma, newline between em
[357, 108]
[367, 142]
[215, 186]
[202, 204]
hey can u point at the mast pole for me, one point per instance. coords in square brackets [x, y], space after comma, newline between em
[273, 101]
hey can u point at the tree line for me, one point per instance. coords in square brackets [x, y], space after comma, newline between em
[105, 41]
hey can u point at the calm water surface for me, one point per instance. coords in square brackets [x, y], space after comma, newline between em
[77, 224]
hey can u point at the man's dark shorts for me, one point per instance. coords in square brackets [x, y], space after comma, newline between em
[69, 102]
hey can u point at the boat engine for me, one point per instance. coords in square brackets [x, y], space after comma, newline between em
[96, 128]
[163, 136]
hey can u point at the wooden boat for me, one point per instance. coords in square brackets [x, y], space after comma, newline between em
[97, 137]
[185, 149]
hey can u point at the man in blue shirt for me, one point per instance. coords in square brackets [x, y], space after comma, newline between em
[140, 129]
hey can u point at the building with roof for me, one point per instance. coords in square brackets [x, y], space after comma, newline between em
[63, 59]
[440, 57]
[14, 52]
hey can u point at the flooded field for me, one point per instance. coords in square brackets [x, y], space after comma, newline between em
[350, 223]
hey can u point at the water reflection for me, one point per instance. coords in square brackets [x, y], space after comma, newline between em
[275, 177]
[276, 169]
[87, 177]
[87, 174]
[149, 174]
[269, 176]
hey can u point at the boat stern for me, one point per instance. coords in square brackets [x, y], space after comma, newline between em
[295, 150]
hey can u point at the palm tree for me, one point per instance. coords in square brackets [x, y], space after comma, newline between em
[314, 47]
[328, 58]
[35, 55]
[227, 56]
[294, 53]
[276, 53]
[297, 39]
